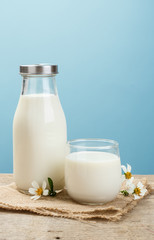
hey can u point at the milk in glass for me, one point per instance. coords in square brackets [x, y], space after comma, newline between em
[92, 177]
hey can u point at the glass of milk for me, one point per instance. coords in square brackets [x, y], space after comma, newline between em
[93, 170]
[39, 129]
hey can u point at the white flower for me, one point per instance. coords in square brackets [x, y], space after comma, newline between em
[127, 172]
[138, 190]
[38, 191]
[130, 186]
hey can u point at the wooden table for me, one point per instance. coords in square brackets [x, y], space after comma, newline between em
[137, 224]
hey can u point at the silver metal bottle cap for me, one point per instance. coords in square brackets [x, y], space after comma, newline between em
[38, 69]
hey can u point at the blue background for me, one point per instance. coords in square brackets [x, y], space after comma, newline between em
[105, 53]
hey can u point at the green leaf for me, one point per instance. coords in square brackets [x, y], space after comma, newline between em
[124, 192]
[50, 184]
[53, 194]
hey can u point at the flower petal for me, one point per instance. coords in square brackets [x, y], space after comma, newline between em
[130, 190]
[58, 191]
[31, 191]
[44, 185]
[35, 197]
[130, 183]
[46, 192]
[129, 168]
[35, 184]
[131, 180]
[124, 168]
[123, 178]
[140, 185]
[143, 191]
[136, 197]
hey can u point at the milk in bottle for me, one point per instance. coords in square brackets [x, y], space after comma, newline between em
[39, 129]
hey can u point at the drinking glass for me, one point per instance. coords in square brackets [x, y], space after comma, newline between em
[93, 170]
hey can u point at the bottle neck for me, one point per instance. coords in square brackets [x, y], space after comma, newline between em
[38, 85]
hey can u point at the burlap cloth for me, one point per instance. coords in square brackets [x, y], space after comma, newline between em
[63, 206]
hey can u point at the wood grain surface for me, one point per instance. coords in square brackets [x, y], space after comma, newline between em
[137, 224]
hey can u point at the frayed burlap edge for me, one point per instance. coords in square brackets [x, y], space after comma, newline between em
[109, 213]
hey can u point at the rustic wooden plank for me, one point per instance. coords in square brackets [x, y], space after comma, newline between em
[137, 224]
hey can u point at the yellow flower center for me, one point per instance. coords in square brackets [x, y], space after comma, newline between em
[137, 191]
[39, 191]
[128, 175]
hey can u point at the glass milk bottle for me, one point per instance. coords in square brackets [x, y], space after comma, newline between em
[39, 129]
